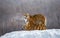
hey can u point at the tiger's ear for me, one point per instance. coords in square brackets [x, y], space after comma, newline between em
[26, 14]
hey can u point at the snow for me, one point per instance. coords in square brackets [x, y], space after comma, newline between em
[49, 33]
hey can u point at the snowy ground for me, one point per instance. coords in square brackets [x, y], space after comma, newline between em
[51, 33]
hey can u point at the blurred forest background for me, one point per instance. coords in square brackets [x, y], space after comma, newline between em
[11, 13]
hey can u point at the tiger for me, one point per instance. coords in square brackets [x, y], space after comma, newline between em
[34, 22]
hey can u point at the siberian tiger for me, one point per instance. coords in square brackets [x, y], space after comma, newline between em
[34, 22]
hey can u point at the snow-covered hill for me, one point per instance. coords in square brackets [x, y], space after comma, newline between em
[51, 33]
